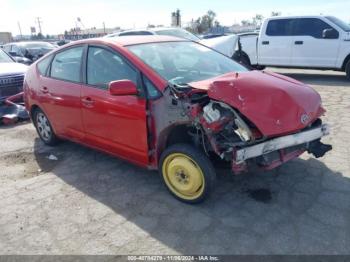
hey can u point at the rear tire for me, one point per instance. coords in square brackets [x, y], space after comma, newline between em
[347, 70]
[187, 173]
[44, 128]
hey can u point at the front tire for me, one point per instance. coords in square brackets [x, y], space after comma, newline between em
[347, 70]
[187, 173]
[44, 128]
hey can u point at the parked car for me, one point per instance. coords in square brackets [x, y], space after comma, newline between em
[225, 44]
[63, 42]
[320, 42]
[208, 36]
[171, 104]
[11, 76]
[28, 52]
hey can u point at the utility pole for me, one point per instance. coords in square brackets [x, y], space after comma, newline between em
[104, 28]
[38, 19]
[20, 30]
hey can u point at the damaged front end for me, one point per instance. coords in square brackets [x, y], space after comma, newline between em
[221, 129]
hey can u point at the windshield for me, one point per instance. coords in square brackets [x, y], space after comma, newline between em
[4, 58]
[39, 45]
[185, 61]
[339, 23]
[178, 33]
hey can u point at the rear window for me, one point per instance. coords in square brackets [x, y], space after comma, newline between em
[279, 27]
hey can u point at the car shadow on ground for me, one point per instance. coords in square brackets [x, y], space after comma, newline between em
[299, 208]
[320, 79]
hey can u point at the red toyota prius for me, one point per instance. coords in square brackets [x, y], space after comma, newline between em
[173, 105]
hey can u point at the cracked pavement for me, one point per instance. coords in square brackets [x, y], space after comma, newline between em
[87, 202]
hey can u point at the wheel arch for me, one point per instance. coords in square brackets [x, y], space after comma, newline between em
[346, 60]
[33, 108]
[174, 134]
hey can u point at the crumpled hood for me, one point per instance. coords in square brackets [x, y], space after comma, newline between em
[276, 104]
[7, 69]
[223, 44]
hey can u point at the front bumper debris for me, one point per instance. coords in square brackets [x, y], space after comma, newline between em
[305, 137]
[12, 110]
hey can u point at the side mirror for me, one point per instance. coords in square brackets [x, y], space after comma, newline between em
[330, 33]
[122, 88]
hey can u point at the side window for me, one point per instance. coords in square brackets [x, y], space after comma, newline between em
[311, 27]
[104, 66]
[43, 65]
[151, 89]
[279, 27]
[66, 64]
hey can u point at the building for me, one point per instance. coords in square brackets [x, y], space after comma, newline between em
[77, 33]
[176, 18]
[5, 37]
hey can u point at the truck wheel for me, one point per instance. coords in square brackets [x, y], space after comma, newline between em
[44, 128]
[347, 70]
[187, 173]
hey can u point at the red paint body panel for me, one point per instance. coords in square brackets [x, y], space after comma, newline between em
[61, 102]
[115, 123]
[274, 103]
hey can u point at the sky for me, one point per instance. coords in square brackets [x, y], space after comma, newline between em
[60, 15]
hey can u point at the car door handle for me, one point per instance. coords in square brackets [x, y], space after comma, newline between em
[87, 102]
[299, 42]
[265, 42]
[44, 89]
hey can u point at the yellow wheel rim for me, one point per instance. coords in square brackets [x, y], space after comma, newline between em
[183, 176]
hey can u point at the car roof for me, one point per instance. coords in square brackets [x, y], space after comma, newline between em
[27, 42]
[295, 16]
[138, 39]
[151, 29]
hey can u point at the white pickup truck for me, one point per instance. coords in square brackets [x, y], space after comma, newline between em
[318, 42]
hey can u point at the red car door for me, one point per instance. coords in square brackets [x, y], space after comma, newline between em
[115, 123]
[62, 93]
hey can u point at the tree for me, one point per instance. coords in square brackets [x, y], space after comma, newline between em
[246, 22]
[257, 19]
[204, 23]
[211, 18]
[274, 13]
